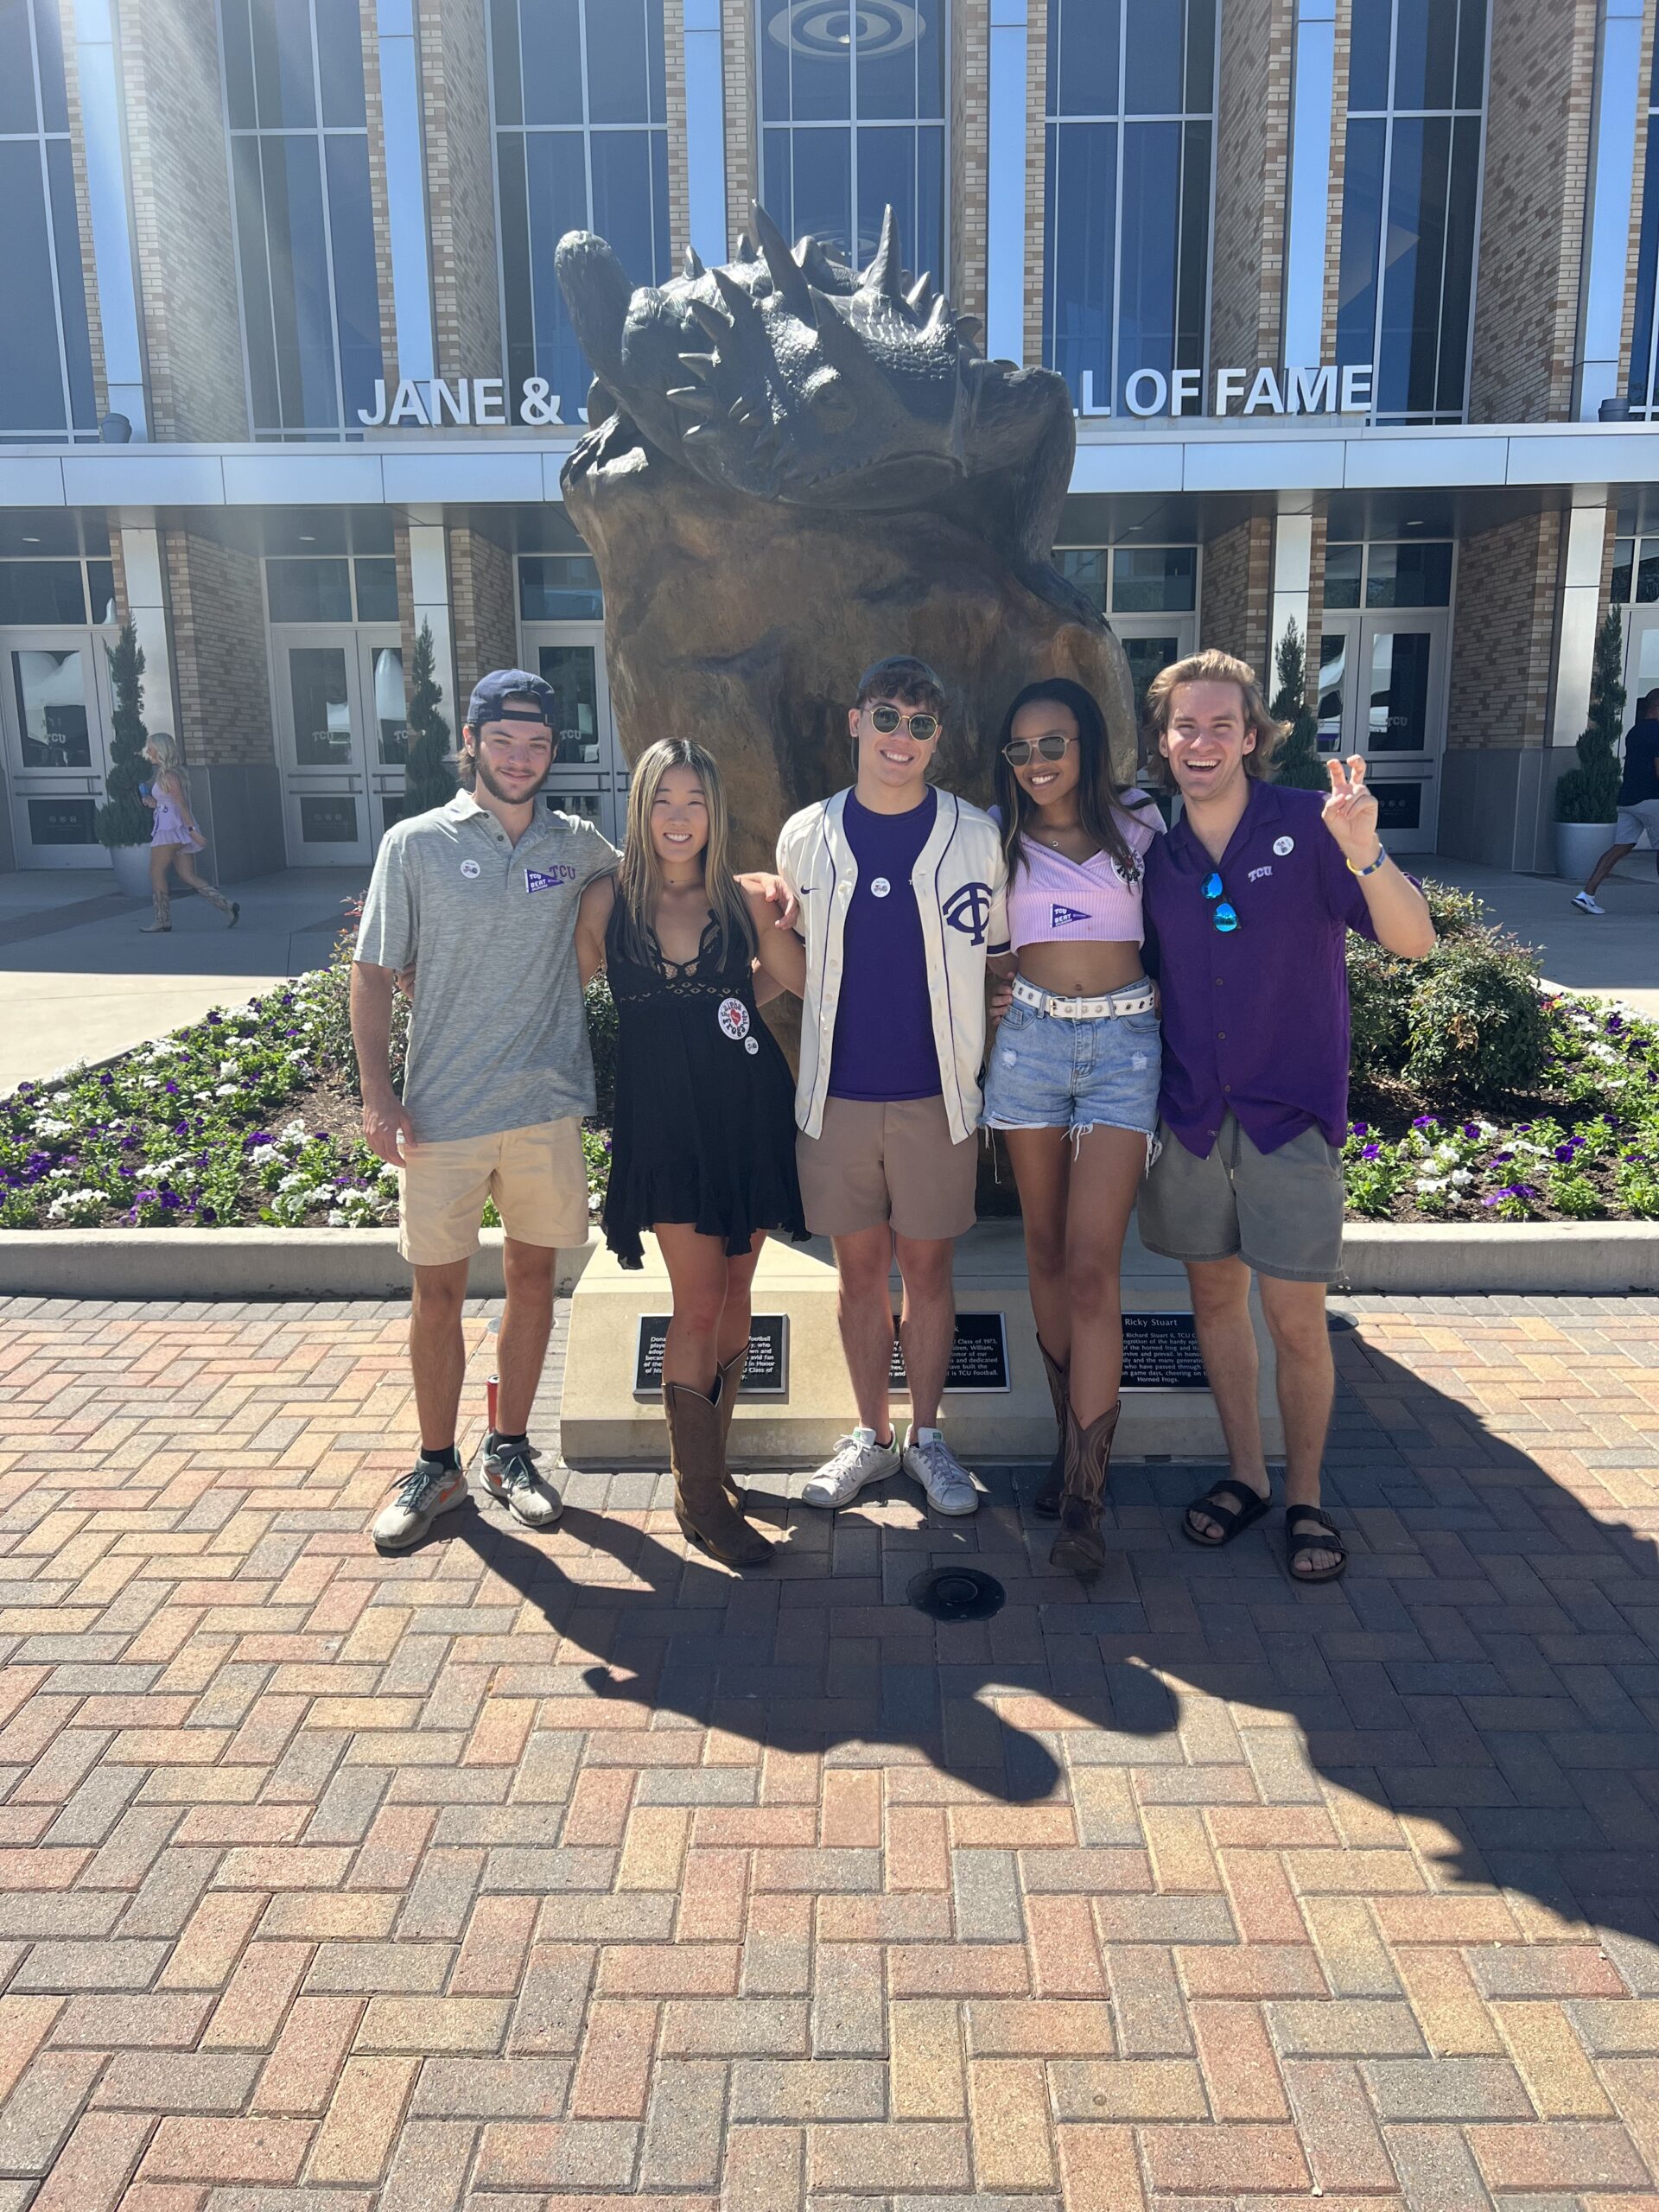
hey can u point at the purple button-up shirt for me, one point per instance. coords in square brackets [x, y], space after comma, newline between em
[1255, 1021]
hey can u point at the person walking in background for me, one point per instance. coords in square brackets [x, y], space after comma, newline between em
[1638, 802]
[175, 840]
[1248, 901]
[901, 887]
[1072, 1078]
[703, 1144]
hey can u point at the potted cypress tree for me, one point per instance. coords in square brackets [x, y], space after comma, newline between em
[429, 780]
[1586, 798]
[123, 824]
[1299, 765]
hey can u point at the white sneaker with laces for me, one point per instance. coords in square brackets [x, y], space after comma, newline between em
[856, 1462]
[949, 1485]
[1587, 905]
[430, 1489]
[511, 1475]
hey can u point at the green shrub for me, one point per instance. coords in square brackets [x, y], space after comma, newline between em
[1379, 998]
[429, 780]
[1454, 913]
[600, 1010]
[1590, 791]
[1476, 1025]
[123, 819]
[1299, 764]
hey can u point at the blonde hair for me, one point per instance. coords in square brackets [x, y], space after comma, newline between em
[639, 880]
[169, 761]
[1212, 666]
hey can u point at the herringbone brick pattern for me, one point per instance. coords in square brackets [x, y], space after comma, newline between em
[523, 1874]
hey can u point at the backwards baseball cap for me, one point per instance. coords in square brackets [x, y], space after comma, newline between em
[491, 695]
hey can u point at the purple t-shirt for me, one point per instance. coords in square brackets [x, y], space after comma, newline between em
[884, 1045]
[1255, 1021]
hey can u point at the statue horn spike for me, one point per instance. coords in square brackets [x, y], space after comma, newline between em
[839, 338]
[792, 286]
[709, 320]
[735, 296]
[884, 272]
[745, 252]
[938, 322]
[694, 267]
[701, 365]
[920, 293]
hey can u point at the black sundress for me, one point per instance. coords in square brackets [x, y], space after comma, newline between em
[705, 1107]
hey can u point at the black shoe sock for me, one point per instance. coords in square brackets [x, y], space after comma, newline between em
[500, 1441]
[442, 1455]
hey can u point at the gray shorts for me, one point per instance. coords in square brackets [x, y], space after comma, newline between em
[1634, 816]
[1281, 1212]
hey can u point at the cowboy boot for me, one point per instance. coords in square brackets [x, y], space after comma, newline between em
[1047, 1500]
[1078, 1544]
[703, 1510]
[163, 920]
[731, 1381]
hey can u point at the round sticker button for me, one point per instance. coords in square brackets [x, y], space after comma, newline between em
[734, 1018]
[471, 870]
[751, 1045]
[880, 887]
[1283, 845]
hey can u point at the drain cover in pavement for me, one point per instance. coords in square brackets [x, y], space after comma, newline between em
[956, 1594]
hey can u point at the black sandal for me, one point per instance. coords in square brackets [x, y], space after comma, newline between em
[1233, 1518]
[1315, 1532]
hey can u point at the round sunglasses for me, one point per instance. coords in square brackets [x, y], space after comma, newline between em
[1024, 750]
[923, 728]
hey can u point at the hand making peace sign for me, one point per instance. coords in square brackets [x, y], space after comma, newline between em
[1351, 811]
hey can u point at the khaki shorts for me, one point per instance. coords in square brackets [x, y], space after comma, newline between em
[890, 1162]
[1281, 1212]
[536, 1177]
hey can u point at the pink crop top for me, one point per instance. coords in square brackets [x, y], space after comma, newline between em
[1055, 901]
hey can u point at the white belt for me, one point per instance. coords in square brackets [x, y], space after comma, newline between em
[1132, 998]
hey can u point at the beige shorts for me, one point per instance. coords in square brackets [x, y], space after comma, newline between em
[893, 1162]
[536, 1177]
[1281, 1212]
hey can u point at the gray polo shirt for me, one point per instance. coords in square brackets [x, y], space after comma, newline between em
[498, 1038]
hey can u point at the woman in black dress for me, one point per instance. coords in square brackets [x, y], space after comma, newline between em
[703, 1150]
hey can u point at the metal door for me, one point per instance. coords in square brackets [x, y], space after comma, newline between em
[1383, 694]
[55, 711]
[322, 722]
[588, 776]
[385, 699]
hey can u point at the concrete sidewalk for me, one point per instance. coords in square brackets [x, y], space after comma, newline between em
[78, 980]
[1615, 955]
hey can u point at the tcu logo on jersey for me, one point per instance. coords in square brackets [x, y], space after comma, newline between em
[970, 911]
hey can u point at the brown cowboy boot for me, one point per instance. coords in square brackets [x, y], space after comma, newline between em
[704, 1512]
[163, 920]
[1079, 1545]
[1047, 1500]
[731, 1381]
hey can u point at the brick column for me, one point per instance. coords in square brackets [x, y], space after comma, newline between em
[1343, 48]
[1036, 170]
[485, 617]
[963, 276]
[222, 680]
[83, 206]
[679, 181]
[1627, 334]
[1252, 156]
[453, 38]
[1237, 587]
[742, 96]
[380, 215]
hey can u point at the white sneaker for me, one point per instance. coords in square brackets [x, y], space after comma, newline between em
[1587, 905]
[949, 1485]
[429, 1489]
[511, 1476]
[857, 1461]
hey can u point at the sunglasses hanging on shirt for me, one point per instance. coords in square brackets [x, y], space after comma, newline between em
[1225, 915]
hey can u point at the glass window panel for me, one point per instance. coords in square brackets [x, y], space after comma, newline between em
[572, 673]
[17, 110]
[1624, 553]
[898, 62]
[1146, 657]
[559, 588]
[323, 714]
[558, 203]
[1425, 50]
[1397, 719]
[1646, 574]
[1640, 387]
[282, 65]
[1192, 282]
[1342, 567]
[50, 688]
[255, 282]
[585, 805]
[1399, 805]
[377, 590]
[94, 535]
[1362, 223]
[552, 82]
[1409, 576]
[238, 43]
[1083, 57]
[1367, 63]
[1147, 265]
[626, 209]
[820, 45]
[394, 805]
[41, 591]
[31, 382]
[506, 85]
[1333, 681]
[296, 241]
[1152, 58]
[328, 821]
[926, 242]
[390, 708]
[1457, 283]
[71, 283]
[1082, 245]
[62, 821]
[1200, 56]
[774, 59]
[1085, 566]
[517, 289]
[1155, 578]
[49, 49]
[824, 187]
[100, 590]
[308, 591]
[617, 77]
[357, 285]
[1472, 54]
[339, 61]
[777, 188]
[1409, 337]
[886, 177]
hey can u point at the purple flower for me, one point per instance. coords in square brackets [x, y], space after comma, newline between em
[172, 1087]
[1565, 1152]
[1425, 1121]
[1369, 1152]
[1471, 1128]
[171, 1200]
[147, 1198]
[106, 1078]
[215, 1022]
[1500, 1160]
[207, 1213]
[1359, 1129]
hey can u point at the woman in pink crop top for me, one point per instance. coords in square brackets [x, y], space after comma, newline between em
[1072, 1077]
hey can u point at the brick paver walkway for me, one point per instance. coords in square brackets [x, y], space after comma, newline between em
[524, 1874]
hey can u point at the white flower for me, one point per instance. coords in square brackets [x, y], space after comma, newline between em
[50, 1126]
[76, 1205]
[227, 1090]
[1460, 1176]
[1430, 1183]
[296, 1181]
[263, 1154]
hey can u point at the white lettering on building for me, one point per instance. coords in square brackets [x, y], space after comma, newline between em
[467, 400]
[1327, 389]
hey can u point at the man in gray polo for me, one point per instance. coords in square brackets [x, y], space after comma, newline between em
[479, 898]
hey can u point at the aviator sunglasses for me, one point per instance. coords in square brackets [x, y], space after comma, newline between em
[1225, 915]
[923, 728]
[1019, 754]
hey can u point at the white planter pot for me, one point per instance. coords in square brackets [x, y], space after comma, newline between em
[132, 866]
[1579, 846]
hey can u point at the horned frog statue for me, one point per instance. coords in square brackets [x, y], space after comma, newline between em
[796, 467]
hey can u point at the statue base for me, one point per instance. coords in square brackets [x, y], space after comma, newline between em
[797, 1402]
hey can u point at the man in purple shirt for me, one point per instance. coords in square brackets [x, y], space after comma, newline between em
[1248, 901]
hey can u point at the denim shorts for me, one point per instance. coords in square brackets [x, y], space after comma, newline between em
[1046, 1072]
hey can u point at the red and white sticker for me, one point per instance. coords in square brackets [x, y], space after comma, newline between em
[734, 1017]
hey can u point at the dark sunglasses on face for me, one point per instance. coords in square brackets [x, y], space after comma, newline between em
[1225, 917]
[923, 728]
[1052, 748]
